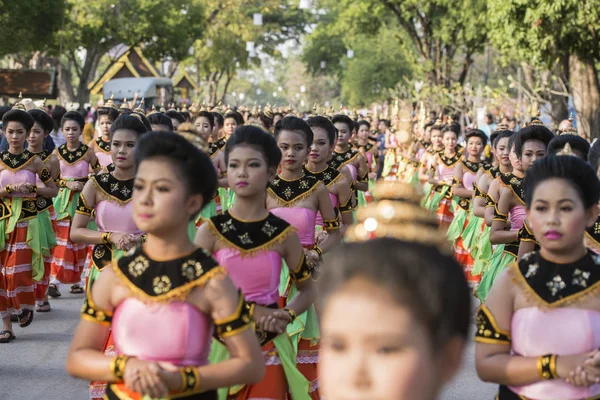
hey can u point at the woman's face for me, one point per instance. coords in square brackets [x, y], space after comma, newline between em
[436, 138]
[15, 133]
[363, 132]
[344, 133]
[122, 147]
[36, 136]
[449, 140]
[474, 146]
[203, 127]
[248, 173]
[379, 358]
[161, 202]
[294, 150]
[105, 123]
[502, 153]
[532, 150]
[229, 126]
[321, 147]
[71, 131]
[515, 161]
[558, 217]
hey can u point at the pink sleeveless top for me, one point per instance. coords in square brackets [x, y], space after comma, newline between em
[112, 217]
[517, 217]
[104, 159]
[420, 153]
[334, 203]
[445, 173]
[175, 332]
[257, 276]
[8, 177]
[560, 331]
[77, 170]
[353, 171]
[303, 219]
[469, 180]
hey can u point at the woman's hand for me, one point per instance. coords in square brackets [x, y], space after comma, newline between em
[144, 377]
[271, 320]
[74, 186]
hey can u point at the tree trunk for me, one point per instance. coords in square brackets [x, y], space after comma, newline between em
[585, 90]
[88, 73]
[66, 94]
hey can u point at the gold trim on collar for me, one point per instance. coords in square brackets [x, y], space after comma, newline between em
[107, 195]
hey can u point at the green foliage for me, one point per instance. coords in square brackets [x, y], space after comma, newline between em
[28, 26]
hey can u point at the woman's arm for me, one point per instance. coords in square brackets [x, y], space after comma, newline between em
[423, 173]
[458, 189]
[329, 218]
[493, 195]
[344, 196]
[222, 167]
[362, 171]
[480, 202]
[45, 174]
[498, 234]
[433, 171]
[293, 254]
[494, 363]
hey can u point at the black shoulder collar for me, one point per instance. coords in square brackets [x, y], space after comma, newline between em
[71, 157]
[165, 280]
[249, 237]
[112, 188]
[287, 193]
[340, 159]
[449, 161]
[328, 176]
[213, 147]
[102, 145]
[15, 162]
[554, 285]
[471, 166]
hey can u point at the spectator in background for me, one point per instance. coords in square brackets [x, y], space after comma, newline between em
[56, 134]
[3, 109]
[89, 130]
[488, 125]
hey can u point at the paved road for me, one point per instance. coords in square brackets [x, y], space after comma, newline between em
[32, 366]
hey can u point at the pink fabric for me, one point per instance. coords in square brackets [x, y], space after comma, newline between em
[445, 173]
[561, 331]
[257, 276]
[112, 217]
[420, 153]
[353, 171]
[334, 203]
[104, 159]
[303, 219]
[517, 217]
[469, 180]
[8, 177]
[175, 332]
[80, 169]
[369, 156]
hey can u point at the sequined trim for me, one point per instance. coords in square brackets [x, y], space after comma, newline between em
[15, 162]
[72, 157]
[288, 193]
[488, 330]
[112, 188]
[82, 207]
[91, 312]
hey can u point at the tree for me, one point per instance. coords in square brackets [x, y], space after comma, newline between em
[165, 28]
[437, 35]
[561, 35]
[222, 51]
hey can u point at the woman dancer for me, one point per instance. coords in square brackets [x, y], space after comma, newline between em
[426, 164]
[417, 348]
[441, 178]
[21, 257]
[75, 160]
[107, 114]
[535, 304]
[46, 216]
[339, 187]
[462, 187]
[169, 283]
[251, 243]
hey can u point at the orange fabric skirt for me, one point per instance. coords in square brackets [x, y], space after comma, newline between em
[98, 388]
[41, 287]
[69, 258]
[464, 258]
[445, 212]
[274, 384]
[307, 361]
[17, 275]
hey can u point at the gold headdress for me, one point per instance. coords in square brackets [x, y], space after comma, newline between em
[110, 103]
[162, 108]
[570, 129]
[397, 213]
[194, 108]
[41, 105]
[289, 110]
[536, 120]
[19, 104]
[140, 109]
[228, 110]
[184, 108]
[502, 127]
[124, 106]
[315, 110]
[153, 111]
[439, 121]
[268, 111]
[189, 132]
[566, 151]
[203, 107]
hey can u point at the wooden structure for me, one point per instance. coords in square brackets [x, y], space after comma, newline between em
[34, 84]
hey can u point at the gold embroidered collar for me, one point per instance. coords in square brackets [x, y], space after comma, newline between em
[112, 188]
[15, 162]
[102, 145]
[288, 193]
[328, 176]
[71, 157]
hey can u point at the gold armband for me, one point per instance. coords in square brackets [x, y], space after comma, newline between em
[61, 183]
[190, 379]
[498, 216]
[331, 224]
[488, 330]
[318, 250]
[45, 175]
[302, 272]
[8, 189]
[82, 207]
[90, 312]
[237, 322]
[106, 238]
[117, 367]
[292, 314]
[546, 366]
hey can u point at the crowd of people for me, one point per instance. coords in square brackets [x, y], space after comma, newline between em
[259, 254]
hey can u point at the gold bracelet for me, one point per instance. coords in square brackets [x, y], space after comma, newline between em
[190, 379]
[117, 367]
[318, 250]
[546, 366]
[8, 189]
[106, 238]
[292, 314]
